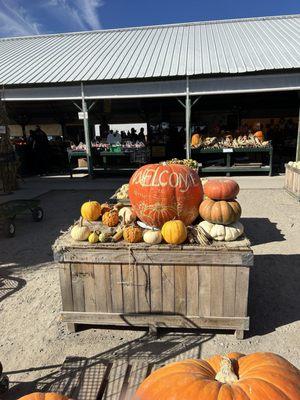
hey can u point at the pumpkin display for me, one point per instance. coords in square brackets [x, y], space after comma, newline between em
[91, 210]
[110, 218]
[44, 396]
[225, 233]
[258, 376]
[80, 233]
[159, 193]
[133, 234]
[196, 140]
[259, 135]
[221, 189]
[152, 236]
[127, 216]
[93, 238]
[220, 212]
[174, 232]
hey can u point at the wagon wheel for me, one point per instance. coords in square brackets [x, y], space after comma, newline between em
[37, 214]
[9, 228]
[4, 384]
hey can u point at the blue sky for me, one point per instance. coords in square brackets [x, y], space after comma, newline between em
[30, 17]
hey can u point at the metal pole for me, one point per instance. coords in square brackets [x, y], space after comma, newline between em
[188, 119]
[298, 139]
[87, 134]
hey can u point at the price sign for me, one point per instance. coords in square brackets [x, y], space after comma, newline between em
[82, 115]
[227, 150]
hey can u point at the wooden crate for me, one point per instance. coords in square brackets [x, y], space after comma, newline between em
[158, 286]
[292, 181]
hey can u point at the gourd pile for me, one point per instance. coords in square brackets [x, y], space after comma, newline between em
[166, 203]
[220, 210]
[294, 164]
[228, 141]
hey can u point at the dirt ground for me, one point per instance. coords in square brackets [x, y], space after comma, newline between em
[33, 342]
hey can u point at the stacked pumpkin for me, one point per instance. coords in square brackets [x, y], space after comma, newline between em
[220, 210]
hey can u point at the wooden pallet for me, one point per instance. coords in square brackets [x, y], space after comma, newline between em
[117, 374]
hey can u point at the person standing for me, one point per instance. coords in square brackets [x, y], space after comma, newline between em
[41, 151]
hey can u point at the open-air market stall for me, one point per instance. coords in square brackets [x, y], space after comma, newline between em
[189, 68]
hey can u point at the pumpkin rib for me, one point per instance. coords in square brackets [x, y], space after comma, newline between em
[274, 388]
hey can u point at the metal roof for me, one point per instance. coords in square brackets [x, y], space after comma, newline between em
[193, 49]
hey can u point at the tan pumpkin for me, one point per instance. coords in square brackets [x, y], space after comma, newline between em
[196, 140]
[174, 232]
[91, 211]
[220, 212]
[44, 396]
[133, 234]
[225, 233]
[258, 376]
[110, 218]
[80, 233]
[152, 236]
[127, 216]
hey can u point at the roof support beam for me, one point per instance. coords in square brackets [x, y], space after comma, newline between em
[87, 133]
[298, 137]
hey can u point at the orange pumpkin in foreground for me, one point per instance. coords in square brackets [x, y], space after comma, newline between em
[160, 193]
[44, 396]
[221, 189]
[220, 212]
[258, 376]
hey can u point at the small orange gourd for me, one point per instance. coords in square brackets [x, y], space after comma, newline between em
[110, 218]
[133, 234]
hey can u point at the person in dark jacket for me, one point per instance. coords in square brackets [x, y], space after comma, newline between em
[41, 151]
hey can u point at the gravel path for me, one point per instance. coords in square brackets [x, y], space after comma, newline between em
[33, 342]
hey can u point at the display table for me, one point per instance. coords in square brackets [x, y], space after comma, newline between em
[292, 181]
[228, 153]
[165, 286]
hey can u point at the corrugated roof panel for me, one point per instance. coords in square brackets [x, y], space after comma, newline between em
[213, 47]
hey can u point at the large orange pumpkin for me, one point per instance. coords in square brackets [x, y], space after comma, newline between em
[258, 376]
[44, 396]
[220, 212]
[221, 189]
[160, 193]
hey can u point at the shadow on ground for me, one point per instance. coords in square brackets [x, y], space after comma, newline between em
[81, 378]
[262, 231]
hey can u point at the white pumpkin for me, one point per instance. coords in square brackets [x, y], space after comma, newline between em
[126, 215]
[226, 233]
[152, 237]
[80, 233]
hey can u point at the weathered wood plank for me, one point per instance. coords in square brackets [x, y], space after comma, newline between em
[144, 320]
[229, 291]
[156, 288]
[66, 286]
[180, 289]
[101, 288]
[128, 282]
[204, 291]
[192, 281]
[78, 287]
[89, 288]
[108, 288]
[216, 291]
[143, 285]
[241, 293]
[168, 288]
[117, 288]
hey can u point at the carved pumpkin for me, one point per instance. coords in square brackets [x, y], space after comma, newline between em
[133, 234]
[126, 215]
[196, 140]
[91, 211]
[110, 218]
[160, 193]
[152, 237]
[225, 233]
[220, 212]
[44, 396]
[258, 376]
[80, 233]
[174, 232]
[221, 189]
[259, 135]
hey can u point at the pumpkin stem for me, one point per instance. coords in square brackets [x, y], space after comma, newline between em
[226, 373]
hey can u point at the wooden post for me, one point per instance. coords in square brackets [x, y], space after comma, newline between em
[87, 133]
[298, 137]
[188, 120]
